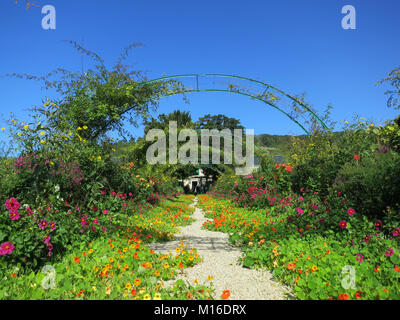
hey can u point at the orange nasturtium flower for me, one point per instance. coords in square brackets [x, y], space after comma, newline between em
[137, 282]
[77, 260]
[225, 294]
[291, 266]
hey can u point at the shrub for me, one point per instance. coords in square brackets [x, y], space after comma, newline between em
[371, 184]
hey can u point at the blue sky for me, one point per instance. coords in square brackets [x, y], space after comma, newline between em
[297, 46]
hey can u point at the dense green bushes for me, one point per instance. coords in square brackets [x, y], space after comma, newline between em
[371, 184]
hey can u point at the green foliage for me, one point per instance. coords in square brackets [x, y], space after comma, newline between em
[393, 79]
[371, 184]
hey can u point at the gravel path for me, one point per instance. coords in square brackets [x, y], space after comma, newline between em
[220, 260]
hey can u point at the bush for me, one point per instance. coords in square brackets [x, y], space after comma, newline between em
[371, 184]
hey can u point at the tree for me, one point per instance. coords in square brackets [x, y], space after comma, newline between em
[183, 119]
[218, 122]
[394, 94]
[99, 99]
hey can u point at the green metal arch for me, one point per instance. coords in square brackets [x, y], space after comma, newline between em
[265, 85]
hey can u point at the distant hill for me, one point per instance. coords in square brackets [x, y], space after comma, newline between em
[279, 144]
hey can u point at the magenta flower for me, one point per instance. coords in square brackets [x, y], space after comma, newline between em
[396, 232]
[351, 211]
[366, 238]
[378, 225]
[53, 225]
[343, 224]
[43, 224]
[14, 215]
[359, 257]
[6, 248]
[389, 252]
[12, 204]
[46, 240]
[299, 210]
[29, 211]
[105, 211]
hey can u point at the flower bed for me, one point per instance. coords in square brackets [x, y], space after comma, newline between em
[323, 253]
[121, 266]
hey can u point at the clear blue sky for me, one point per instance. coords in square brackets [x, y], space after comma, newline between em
[297, 46]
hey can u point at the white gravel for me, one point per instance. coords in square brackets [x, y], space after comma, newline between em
[220, 260]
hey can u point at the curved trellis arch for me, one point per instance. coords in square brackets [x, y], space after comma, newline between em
[260, 91]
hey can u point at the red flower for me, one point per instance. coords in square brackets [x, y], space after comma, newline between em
[343, 296]
[356, 157]
[225, 294]
[289, 169]
[77, 260]
[343, 224]
[351, 211]
[358, 294]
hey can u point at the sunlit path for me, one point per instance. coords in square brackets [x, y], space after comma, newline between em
[220, 260]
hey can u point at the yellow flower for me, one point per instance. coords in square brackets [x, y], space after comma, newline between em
[314, 268]
[128, 286]
[26, 126]
[42, 133]
[90, 251]
[94, 288]
[84, 127]
[166, 265]
[108, 290]
[99, 157]
[111, 260]
[146, 297]
[2, 129]
[42, 142]
[210, 278]
[157, 296]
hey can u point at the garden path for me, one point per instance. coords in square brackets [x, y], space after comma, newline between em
[220, 260]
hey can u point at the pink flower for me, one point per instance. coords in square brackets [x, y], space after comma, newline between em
[378, 225]
[6, 248]
[396, 232]
[105, 211]
[299, 210]
[53, 225]
[43, 224]
[14, 215]
[29, 211]
[359, 257]
[12, 204]
[351, 211]
[366, 238]
[343, 224]
[389, 252]
[46, 240]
